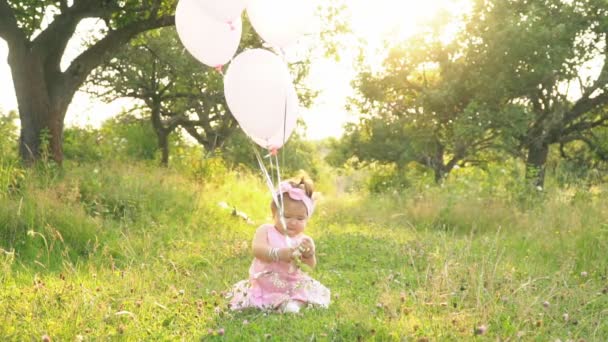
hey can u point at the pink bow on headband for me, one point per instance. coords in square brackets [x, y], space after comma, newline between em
[298, 195]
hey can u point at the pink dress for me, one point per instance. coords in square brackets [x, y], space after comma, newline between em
[272, 284]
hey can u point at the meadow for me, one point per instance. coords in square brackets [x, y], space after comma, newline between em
[130, 251]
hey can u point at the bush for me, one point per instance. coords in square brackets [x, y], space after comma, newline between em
[387, 178]
[8, 135]
[82, 144]
[129, 137]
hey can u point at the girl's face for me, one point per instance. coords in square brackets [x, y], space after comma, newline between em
[296, 217]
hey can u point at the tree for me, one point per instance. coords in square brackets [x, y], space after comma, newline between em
[176, 90]
[36, 48]
[423, 106]
[534, 54]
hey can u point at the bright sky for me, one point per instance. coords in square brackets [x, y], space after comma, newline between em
[375, 21]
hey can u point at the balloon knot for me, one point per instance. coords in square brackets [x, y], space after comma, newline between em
[219, 68]
[273, 151]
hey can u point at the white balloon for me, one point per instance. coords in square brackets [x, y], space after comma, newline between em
[280, 22]
[256, 87]
[211, 41]
[289, 120]
[224, 10]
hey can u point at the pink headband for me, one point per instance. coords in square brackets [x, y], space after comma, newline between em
[298, 195]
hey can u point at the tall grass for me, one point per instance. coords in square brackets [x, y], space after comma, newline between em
[132, 252]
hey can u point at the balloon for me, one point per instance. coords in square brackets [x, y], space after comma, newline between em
[289, 120]
[280, 22]
[210, 41]
[224, 10]
[256, 87]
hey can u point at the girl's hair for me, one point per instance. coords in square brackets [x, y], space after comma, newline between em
[301, 181]
[305, 183]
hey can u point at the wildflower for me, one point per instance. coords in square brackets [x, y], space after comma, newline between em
[220, 331]
[480, 330]
[46, 338]
[546, 304]
[245, 322]
[584, 274]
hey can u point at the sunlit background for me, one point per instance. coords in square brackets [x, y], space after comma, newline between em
[372, 22]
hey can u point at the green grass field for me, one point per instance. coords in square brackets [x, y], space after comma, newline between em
[133, 252]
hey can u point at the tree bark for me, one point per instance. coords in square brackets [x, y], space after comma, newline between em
[163, 144]
[41, 113]
[162, 133]
[535, 163]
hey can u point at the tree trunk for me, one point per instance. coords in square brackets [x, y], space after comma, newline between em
[41, 115]
[439, 173]
[163, 144]
[162, 133]
[437, 164]
[535, 163]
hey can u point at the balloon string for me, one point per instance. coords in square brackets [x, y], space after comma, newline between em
[278, 200]
[287, 239]
[284, 128]
[266, 175]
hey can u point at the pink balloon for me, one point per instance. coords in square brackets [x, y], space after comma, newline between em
[224, 10]
[209, 40]
[258, 90]
[290, 121]
[281, 22]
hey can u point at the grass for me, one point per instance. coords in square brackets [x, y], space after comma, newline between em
[133, 252]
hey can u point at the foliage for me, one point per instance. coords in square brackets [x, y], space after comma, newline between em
[176, 90]
[8, 133]
[424, 105]
[537, 55]
[11, 173]
[82, 144]
[297, 154]
[129, 136]
[506, 82]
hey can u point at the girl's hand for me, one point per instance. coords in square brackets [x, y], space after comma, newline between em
[307, 248]
[286, 254]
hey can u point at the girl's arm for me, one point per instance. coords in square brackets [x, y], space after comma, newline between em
[261, 248]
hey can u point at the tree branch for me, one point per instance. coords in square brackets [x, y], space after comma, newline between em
[582, 126]
[82, 65]
[52, 42]
[9, 30]
[196, 135]
[584, 104]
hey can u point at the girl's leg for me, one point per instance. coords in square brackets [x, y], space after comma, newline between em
[292, 306]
